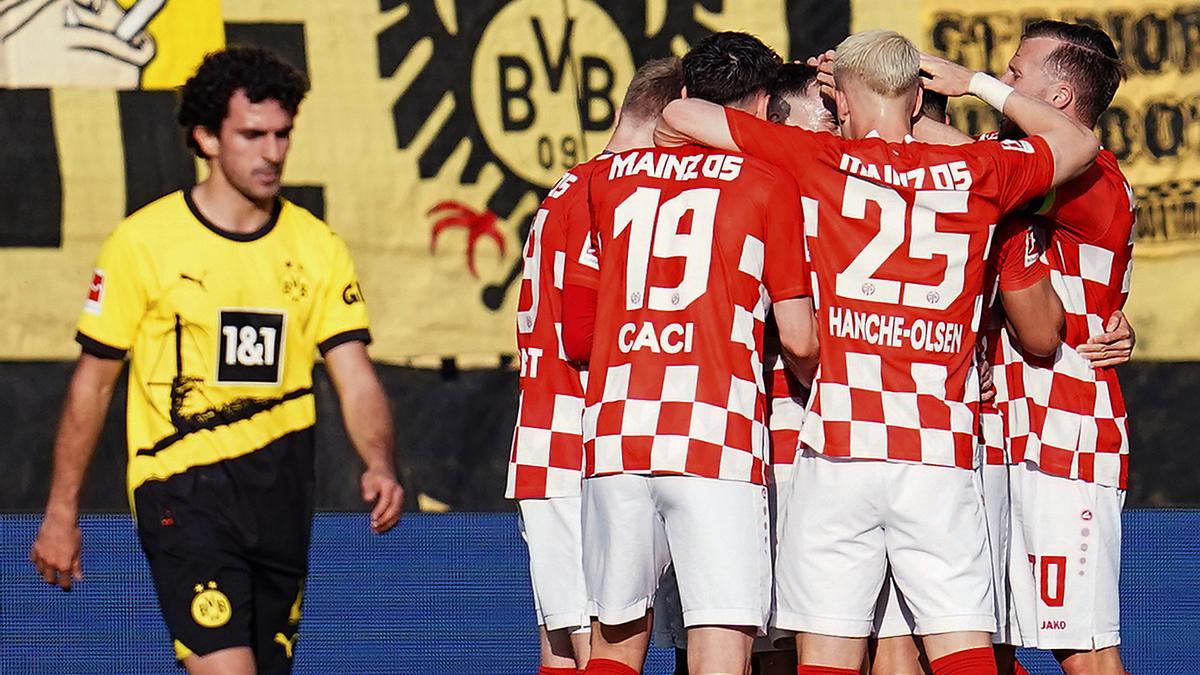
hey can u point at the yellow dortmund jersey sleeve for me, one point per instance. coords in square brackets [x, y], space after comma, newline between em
[116, 300]
[341, 311]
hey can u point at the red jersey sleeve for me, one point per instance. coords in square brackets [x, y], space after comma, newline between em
[785, 270]
[583, 263]
[1024, 169]
[773, 143]
[1018, 257]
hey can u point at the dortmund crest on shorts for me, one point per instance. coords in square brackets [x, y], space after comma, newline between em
[210, 607]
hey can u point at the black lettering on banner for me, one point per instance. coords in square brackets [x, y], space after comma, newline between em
[1164, 129]
[31, 213]
[250, 346]
[1168, 211]
[157, 160]
[1149, 40]
[595, 91]
[511, 91]
[554, 71]
[1150, 45]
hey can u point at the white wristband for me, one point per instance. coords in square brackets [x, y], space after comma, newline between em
[990, 90]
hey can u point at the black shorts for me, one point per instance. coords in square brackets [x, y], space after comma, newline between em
[228, 549]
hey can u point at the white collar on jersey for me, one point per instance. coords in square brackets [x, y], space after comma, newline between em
[875, 134]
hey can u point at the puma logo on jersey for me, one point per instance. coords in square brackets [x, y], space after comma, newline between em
[195, 280]
[251, 346]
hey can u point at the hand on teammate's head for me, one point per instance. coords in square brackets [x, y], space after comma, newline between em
[944, 77]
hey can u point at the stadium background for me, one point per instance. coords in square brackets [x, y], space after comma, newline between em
[483, 103]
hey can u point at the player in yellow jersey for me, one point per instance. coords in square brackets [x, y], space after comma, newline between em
[221, 296]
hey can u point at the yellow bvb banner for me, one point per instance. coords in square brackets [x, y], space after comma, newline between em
[1153, 127]
[434, 127]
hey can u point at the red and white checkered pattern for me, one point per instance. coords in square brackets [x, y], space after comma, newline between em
[898, 235]
[666, 427]
[908, 419]
[1066, 416]
[699, 410]
[547, 449]
[787, 400]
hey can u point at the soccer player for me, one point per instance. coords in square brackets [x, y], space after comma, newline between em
[794, 98]
[545, 467]
[1066, 423]
[220, 296]
[901, 234]
[693, 246]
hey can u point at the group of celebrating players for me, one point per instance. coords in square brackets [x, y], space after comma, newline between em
[799, 359]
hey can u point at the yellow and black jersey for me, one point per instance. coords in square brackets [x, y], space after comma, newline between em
[222, 329]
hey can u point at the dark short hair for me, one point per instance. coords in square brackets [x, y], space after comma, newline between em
[258, 72]
[1087, 59]
[933, 105]
[728, 67]
[654, 85]
[792, 79]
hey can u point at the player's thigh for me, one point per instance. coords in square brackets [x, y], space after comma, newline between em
[231, 661]
[669, 630]
[553, 532]
[831, 556]
[998, 512]
[893, 618]
[1071, 532]
[937, 545]
[278, 601]
[624, 547]
[719, 537]
[202, 579]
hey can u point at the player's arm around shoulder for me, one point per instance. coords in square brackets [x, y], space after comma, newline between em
[786, 276]
[1072, 145]
[1034, 310]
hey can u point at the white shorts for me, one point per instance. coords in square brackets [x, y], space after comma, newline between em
[551, 529]
[669, 630]
[893, 618]
[715, 532]
[861, 515]
[1066, 561]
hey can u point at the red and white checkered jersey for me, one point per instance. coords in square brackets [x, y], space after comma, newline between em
[787, 400]
[901, 235]
[547, 449]
[1071, 418]
[1016, 263]
[693, 244]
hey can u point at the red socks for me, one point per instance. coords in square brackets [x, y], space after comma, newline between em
[976, 661]
[1018, 669]
[825, 670]
[608, 667]
[547, 670]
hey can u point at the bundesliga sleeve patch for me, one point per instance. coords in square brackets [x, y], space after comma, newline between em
[95, 295]
[250, 348]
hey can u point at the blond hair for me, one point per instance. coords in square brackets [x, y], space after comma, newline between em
[884, 61]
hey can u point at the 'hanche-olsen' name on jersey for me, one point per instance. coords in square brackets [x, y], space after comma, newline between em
[899, 235]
